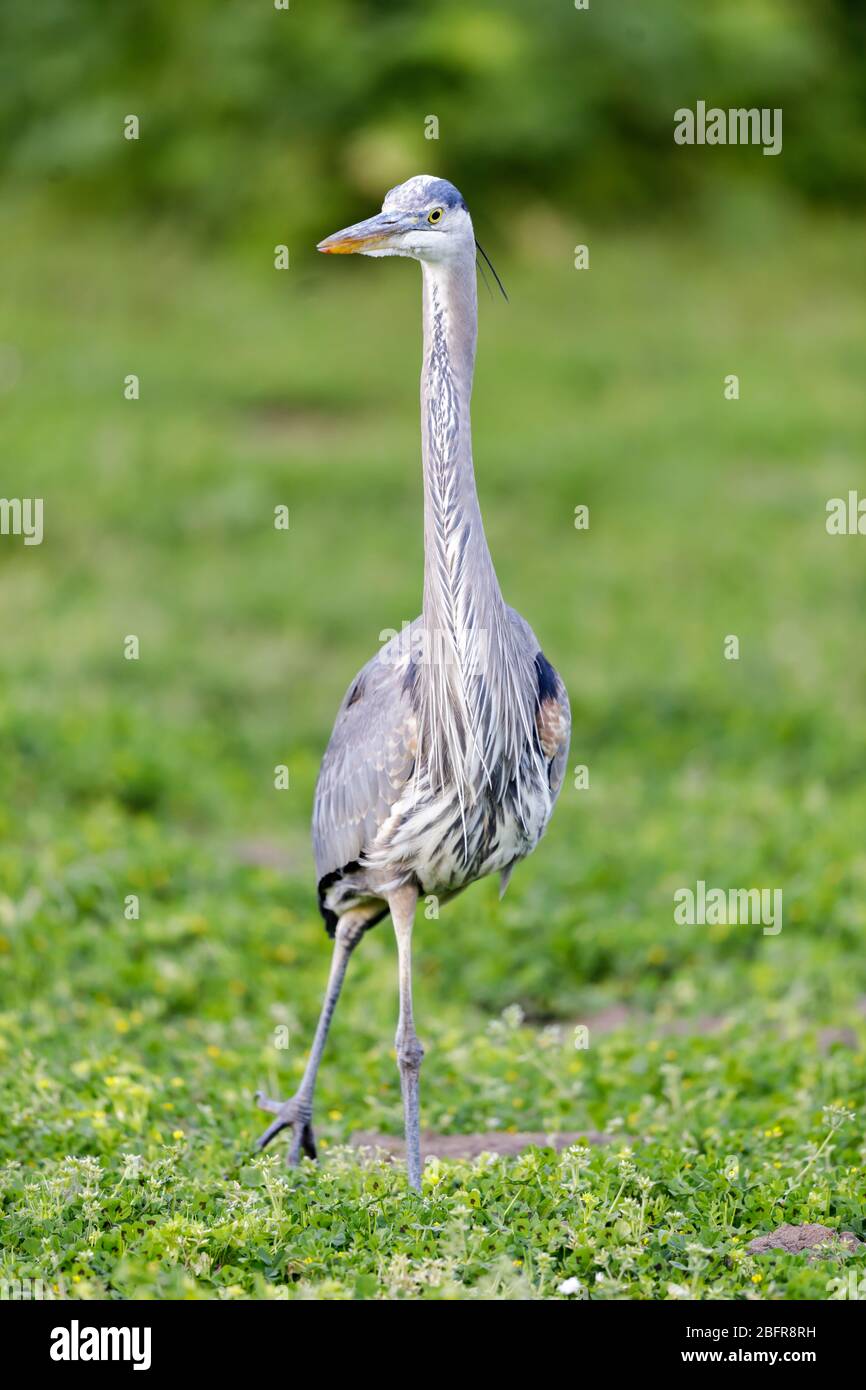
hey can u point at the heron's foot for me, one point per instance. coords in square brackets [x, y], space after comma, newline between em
[296, 1114]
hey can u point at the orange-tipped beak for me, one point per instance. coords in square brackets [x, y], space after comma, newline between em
[373, 235]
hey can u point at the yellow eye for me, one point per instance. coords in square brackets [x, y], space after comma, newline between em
[435, 215]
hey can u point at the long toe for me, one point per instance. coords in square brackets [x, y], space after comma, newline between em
[295, 1114]
[270, 1133]
[286, 1115]
[265, 1103]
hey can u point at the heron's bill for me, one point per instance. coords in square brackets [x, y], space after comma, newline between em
[342, 245]
[371, 235]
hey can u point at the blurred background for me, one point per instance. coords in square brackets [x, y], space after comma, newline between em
[261, 387]
[252, 118]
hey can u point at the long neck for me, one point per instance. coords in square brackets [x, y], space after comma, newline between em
[464, 617]
[460, 586]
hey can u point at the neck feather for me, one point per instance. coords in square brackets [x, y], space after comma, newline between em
[467, 632]
[460, 583]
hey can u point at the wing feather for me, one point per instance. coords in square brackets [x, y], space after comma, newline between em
[368, 761]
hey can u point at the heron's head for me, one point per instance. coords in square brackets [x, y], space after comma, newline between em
[425, 218]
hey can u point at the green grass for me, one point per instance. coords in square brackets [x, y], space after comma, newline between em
[131, 1049]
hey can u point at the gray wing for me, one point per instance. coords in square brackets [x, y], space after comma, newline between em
[368, 761]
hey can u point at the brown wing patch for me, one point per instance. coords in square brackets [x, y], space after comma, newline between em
[552, 723]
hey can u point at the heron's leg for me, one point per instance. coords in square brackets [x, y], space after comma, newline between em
[409, 1050]
[298, 1111]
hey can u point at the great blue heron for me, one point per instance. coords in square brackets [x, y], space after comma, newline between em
[450, 746]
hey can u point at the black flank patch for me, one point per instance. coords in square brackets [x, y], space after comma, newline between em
[546, 678]
[331, 918]
[328, 881]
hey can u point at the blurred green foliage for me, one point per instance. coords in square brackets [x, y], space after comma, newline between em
[250, 115]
